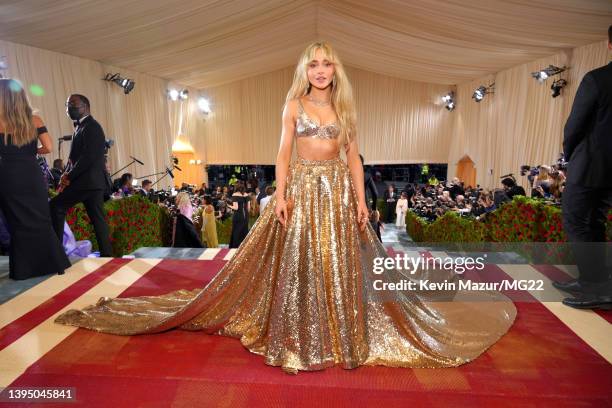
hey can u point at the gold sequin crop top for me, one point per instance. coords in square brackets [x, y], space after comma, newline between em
[307, 127]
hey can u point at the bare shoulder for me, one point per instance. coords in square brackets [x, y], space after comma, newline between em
[291, 108]
[37, 120]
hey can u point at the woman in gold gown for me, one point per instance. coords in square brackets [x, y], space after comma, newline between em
[299, 290]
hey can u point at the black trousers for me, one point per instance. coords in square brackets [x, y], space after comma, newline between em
[390, 211]
[585, 212]
[94, 204]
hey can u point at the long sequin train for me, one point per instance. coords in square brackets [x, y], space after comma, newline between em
[303, 296]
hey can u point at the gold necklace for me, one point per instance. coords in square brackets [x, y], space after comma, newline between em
[316, 101]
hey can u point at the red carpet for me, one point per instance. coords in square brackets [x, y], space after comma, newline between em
[540, 362]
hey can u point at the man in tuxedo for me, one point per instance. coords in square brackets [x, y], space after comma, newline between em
[85, 177]
[390, 200]
[587, 197]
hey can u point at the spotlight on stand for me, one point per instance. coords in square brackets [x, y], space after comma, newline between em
[551, 70]
[125, 83]
[482, 91]
[449, 101]
[557, 86]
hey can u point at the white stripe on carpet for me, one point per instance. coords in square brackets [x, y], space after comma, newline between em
[230, 254]
[586, 324]
[27, 301]
[209, 253]
[25, 351]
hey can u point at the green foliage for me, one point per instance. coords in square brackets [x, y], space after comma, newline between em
[522, 220]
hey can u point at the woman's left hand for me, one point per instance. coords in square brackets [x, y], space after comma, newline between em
[362, 215]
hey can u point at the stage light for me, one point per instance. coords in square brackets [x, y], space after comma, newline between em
[178, 94]
[557, 86]
[449, 101]
[125, 83]
[482, 91]
[173, 94]
[543, 74]
[204, 105]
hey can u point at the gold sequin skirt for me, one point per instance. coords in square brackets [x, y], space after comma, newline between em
[303, 296]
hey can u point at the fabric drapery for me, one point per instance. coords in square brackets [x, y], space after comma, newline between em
[520, 123]
[138, 123]
[209, 43]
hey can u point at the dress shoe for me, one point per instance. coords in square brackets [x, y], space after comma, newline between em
[587, 301]
[571, 286]
[61, 272]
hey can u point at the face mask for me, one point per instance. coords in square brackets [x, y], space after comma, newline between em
[73, 113]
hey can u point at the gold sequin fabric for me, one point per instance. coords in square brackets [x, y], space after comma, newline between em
[302, 296]
[306, 127]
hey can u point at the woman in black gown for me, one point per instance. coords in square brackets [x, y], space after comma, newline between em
[240, 219]
[35, 249]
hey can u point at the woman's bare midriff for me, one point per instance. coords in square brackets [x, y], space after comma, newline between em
[317, 149]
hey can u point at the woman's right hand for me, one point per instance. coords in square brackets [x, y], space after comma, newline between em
[281, 211]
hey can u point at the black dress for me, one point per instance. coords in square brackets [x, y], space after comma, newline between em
[240, 222]
[185, 234]
[35, 249]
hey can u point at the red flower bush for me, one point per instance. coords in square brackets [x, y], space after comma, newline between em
[522, 220]
[146, 225]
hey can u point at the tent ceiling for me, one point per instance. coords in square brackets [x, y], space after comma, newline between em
[204, 43]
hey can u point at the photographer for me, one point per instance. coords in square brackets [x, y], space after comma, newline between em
[541, 183]
[557, 185]
[455, 188]
[484, 205]
[511, 188]
[146, 191]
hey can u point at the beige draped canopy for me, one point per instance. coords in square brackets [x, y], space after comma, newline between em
[402, 56]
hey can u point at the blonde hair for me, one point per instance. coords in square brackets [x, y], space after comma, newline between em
[182, 199]
[544, 173]
[16, 112]
[341, 94]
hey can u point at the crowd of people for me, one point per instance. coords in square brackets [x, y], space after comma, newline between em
[433, 200]
[198, 209]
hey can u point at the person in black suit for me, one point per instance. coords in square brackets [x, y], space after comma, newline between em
[85, 177]
[587, 197]
[511, 188]
[391, 201]
[147, 191]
